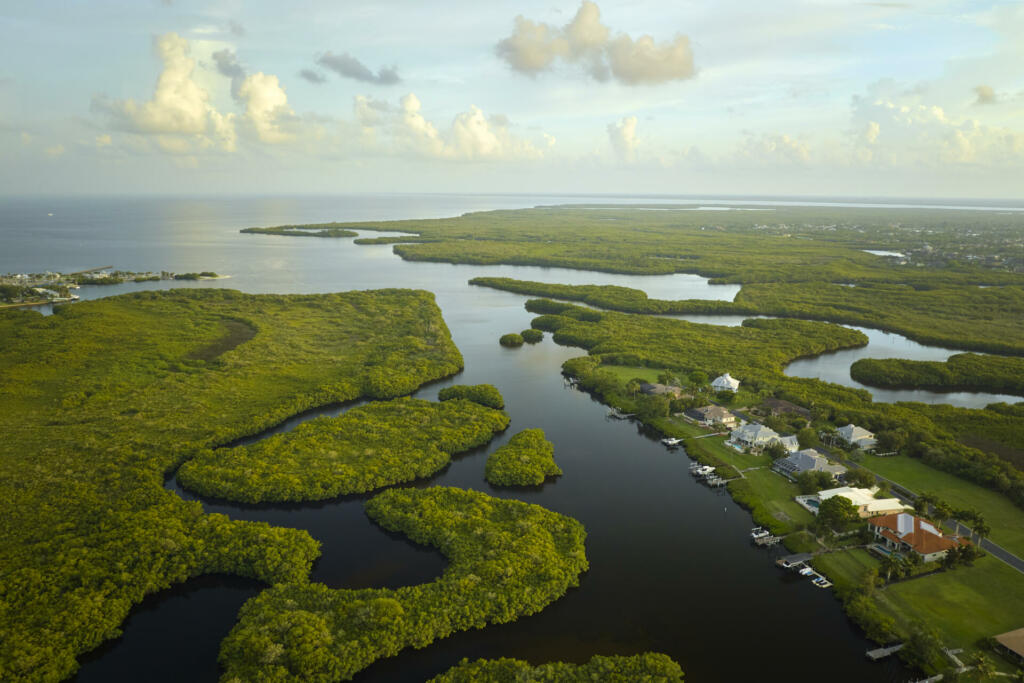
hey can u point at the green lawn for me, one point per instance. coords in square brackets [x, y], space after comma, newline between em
[624, 373]
[1006, 519]
[777, 493]
[846, 567]
[716, 446]
[966, 604]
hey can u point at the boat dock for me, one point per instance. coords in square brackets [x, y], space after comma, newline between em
[794, 562]
[768, 541]
[883, 652]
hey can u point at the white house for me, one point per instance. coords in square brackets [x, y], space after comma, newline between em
[725, 383]
[790, 443]
[857, 436]
[865, 502]
[753, 435]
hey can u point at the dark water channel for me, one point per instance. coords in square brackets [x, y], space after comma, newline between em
[672, 569]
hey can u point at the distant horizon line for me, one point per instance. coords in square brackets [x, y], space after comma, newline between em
[865, 201]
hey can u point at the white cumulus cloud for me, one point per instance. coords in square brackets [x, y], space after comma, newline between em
[622, 136]
[179, 105]
[266, 105]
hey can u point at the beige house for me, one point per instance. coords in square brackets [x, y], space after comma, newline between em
[865, 502]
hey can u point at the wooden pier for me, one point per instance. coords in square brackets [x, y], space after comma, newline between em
[768, 541]
[883, 652]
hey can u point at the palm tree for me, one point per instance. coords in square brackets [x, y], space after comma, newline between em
[983, 666]
[981, 528]
[893, 564]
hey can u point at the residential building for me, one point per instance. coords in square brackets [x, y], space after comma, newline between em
[725, 383]
[753, 436]
[807, 460]
[777, 406]
[865, 502]
[1012, 642]
[857, 436]
[712, 415]
[790, 443]
[904, 532]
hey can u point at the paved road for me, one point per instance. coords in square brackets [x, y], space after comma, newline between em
[995, 550]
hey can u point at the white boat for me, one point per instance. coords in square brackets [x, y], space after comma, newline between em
[670, 441]
[822, 582]
[759, 532]
[807, 571]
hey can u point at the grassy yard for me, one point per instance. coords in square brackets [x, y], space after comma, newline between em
[715, 445]
[846, 567]
[777, 494]
[1006, 519]
[966, 604]
[624, 373]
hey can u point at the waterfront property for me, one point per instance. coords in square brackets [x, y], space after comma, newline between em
[864, 500]
[712, 415]
[857, 436]
[753, 436]
[904, 532]
[1012, 644]
[725, 383]
[807, 460]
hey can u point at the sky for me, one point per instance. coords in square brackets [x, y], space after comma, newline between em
[789, 97]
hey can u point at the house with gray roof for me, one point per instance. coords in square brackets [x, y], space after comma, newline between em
[857, 436]
[807, 460]
[753, 435]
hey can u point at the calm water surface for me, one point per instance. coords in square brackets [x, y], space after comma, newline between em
[671, 567]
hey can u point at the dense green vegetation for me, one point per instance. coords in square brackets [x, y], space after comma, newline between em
[319, 230]
[367, 448]
[961, 372]
[989, 319]
[755, 353]
[532, 336]
[526, 460]
[101, 400]
[512, 340]
[12, 293]
[507, 559]
[484, 394]
[195, 276]
[650, 667]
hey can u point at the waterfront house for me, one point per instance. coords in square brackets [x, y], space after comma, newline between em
[904, 532]
[807, 460]
[712, 415]
[753, 436]
[725, 383]
[857, 436]
[1012, 643]
[865, 502]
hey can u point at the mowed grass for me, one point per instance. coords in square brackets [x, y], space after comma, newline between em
[777, 494]
[846, 568]
[1006, 520]
[966, 604]
[624, 373]
[715, 445]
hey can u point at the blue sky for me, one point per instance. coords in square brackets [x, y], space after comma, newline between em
[788, 97]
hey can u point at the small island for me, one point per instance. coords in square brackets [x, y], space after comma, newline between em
[653, 667]
[322, 230]
[526, 460]
[484, 394]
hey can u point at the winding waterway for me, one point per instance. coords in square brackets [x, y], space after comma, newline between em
[671, 567]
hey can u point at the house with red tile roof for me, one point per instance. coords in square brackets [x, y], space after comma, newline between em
[904, 532]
